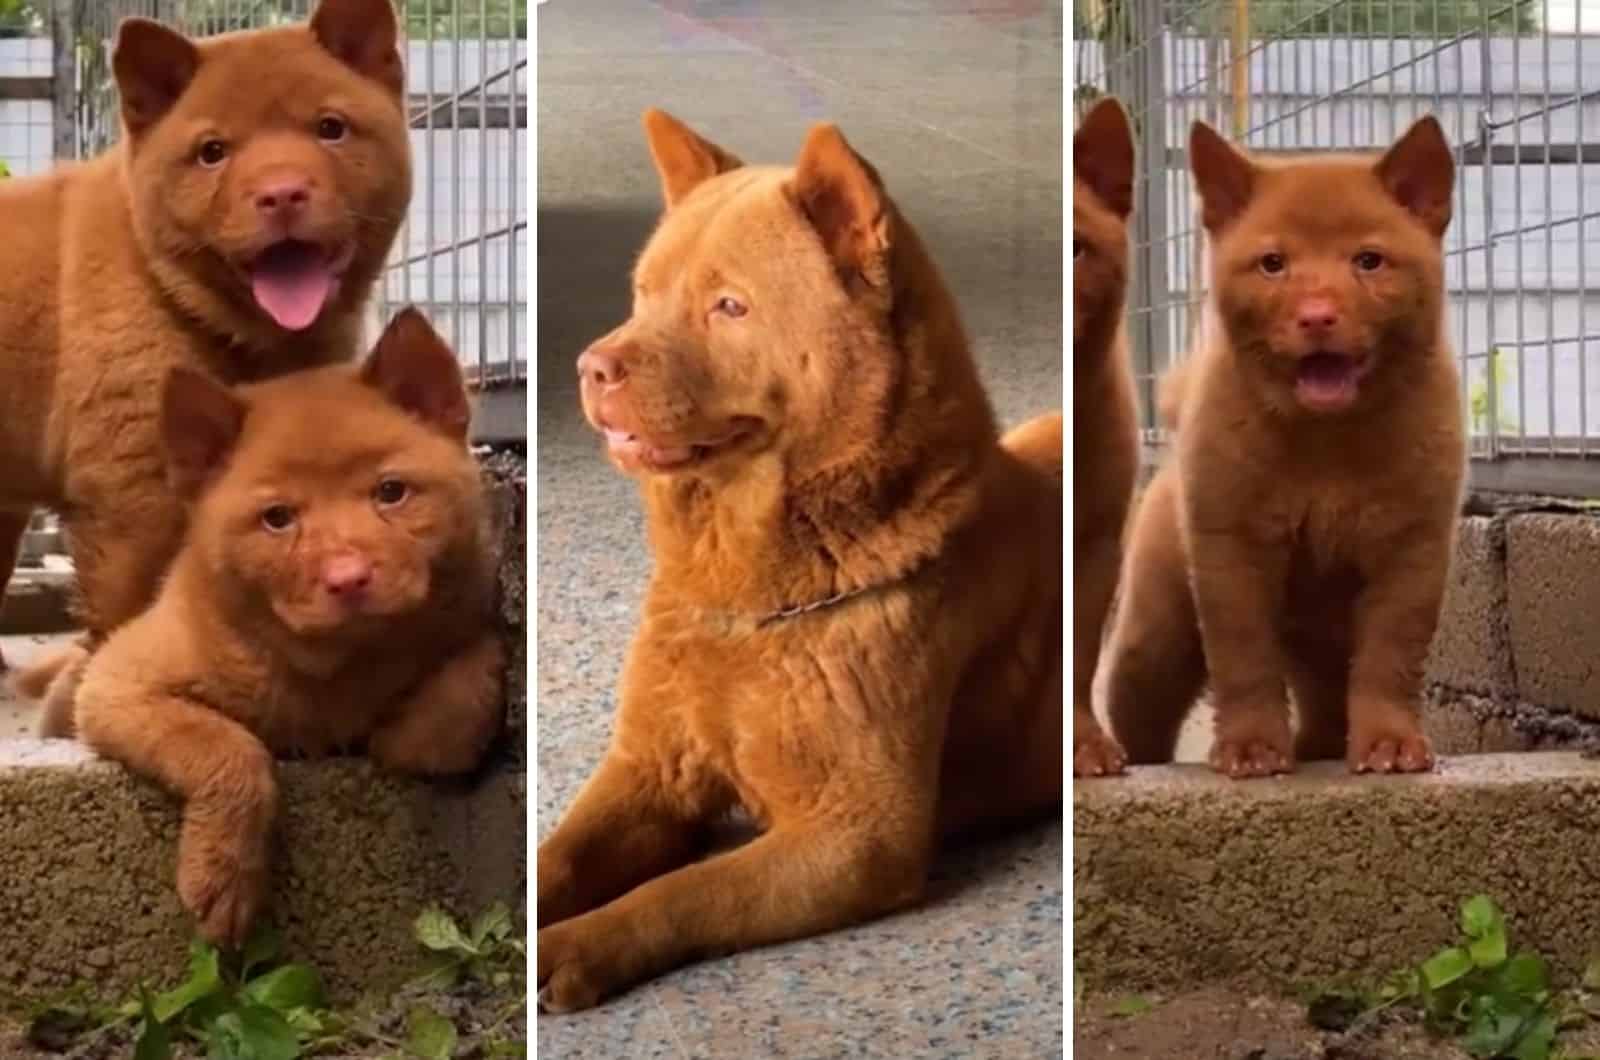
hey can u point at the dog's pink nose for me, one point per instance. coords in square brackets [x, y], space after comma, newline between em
[346, 575]
[283, 197]
[1316, 314]
[600, 367]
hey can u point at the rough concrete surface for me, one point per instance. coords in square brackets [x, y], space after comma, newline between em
[1553, 575]
[1472, 648]
[507, 474]
[1182, 877]
[88, 893]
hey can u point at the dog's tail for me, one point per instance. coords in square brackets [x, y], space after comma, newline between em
[1039, 442]
[33, 681]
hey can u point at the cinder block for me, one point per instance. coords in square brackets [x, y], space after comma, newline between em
[1182, 877]
[1472, 648]
[1553, 597]
[88, 892]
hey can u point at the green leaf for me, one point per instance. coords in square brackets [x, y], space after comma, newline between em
[1489, 950]
[1132, 1005]
[289, 987]
[429, 1036]
[1445, 967]
[267, 1035]
[1480, 917]
[1536, 1039]
[153, 1043]
[205, 979]
[1491, 1032]
[262, 948]
[252, 1032]
[443, 972]
[438, 931]
[492, 925]
[1523, 976]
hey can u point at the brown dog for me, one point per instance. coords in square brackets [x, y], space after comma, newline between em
[236, 231]
[1105, 442]
[1316, 481]
[853, 630]
[328, 595]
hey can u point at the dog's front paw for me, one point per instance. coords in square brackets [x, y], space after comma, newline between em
[572, 974]
[1096, 754]
[1387, 738]
[222, 881]
[1253, 744]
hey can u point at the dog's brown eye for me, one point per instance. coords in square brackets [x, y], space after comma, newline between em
[332, 129]
[1272, 264]
[391, 491]
[213, 153]
[1077, 250]
[731, 307]
[278, 518]
[1369, 260]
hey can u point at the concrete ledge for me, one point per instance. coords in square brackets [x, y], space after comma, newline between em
[1182, 877]
[36, 604]
[87, 893]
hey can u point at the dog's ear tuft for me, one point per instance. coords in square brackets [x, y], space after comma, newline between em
[1102, 155]
[843, 198]
[365, 36]
[152, 65]
[684, 159]
[418, 371]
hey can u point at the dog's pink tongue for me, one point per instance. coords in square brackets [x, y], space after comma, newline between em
[292, 283]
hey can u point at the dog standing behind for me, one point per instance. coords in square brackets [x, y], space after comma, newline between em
[853, 628]
[1299, 539]
[235, 231]
[1105, 443]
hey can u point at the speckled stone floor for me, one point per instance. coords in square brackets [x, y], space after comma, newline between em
[959, 106]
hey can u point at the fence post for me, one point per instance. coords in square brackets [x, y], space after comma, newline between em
[64, 19]
[1154, 232]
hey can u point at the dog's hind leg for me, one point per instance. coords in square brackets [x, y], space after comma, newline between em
[1155, 656]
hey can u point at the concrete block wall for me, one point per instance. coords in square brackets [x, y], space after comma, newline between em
[1516, 662]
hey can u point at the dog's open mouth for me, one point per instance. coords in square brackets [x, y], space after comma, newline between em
[1328, 382]
[293, 280]
[636, 450]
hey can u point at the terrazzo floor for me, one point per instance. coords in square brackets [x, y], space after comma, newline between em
[958, 104]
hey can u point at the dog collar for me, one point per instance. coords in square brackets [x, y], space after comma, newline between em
[796, 610]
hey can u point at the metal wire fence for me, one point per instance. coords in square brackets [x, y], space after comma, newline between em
[460, 257]
[1516, 85]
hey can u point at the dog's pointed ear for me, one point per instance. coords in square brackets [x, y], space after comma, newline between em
[1224, 178]
[843, 197]
[152, 65]
[684, 159]
[365, 36]
[200, 424]
[1420, 173]
[418, 371]
[1102, 155]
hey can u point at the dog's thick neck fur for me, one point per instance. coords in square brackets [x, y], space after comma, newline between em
[876, 506]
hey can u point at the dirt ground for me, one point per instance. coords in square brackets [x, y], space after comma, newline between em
[1215, 1024]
